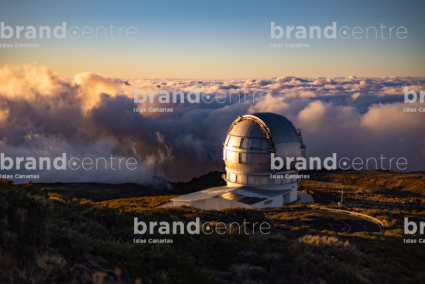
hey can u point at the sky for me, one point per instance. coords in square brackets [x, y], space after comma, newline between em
[76, 96]
[220, 39]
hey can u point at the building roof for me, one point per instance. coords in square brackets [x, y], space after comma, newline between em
[282, 130]
[203, 194]
[265, 125]
[255, 136]
[244, 194]
[247, 128]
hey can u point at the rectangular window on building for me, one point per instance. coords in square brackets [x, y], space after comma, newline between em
[242, 179]
[255, 144]
[264, 144]
[257, 180]
[241, 144]
[243, 158]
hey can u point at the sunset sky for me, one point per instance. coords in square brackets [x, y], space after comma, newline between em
[76, 96]
[219, 39]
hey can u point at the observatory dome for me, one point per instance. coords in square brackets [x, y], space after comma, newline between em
[251, 183]
[248, 146]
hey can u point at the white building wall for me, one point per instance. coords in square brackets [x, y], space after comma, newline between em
[217, 204]
[181, 203]
[201, 204]
[211, 204]
[293, 194]
[221, 204]
[277, 201]
[235, 204]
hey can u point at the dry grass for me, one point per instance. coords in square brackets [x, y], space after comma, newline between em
[90, 239]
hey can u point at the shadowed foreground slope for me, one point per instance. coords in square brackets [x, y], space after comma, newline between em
[49, 239]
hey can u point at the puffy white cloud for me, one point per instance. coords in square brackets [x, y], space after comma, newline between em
[313, 116]
[355, 96]
[270, 104]
[392, 118]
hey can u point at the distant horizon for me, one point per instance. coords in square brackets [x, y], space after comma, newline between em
[192, 40]
[199, 176]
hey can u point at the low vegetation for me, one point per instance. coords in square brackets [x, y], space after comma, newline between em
[48, 237]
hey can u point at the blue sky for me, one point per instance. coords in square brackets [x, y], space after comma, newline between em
[220, 39]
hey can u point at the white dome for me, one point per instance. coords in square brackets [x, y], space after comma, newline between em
[249, 143]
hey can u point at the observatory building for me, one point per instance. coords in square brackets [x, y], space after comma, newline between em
[247, 154]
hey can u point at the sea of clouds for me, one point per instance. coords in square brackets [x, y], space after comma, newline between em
[91, 115]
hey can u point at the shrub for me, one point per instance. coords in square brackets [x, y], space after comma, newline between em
[6, 181]
[331, 246]
[23, 223]
[57, 196]
[36, 190]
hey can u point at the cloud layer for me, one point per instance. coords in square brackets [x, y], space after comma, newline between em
[91, 115]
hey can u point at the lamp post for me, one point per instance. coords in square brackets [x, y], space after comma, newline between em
[342, 198]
